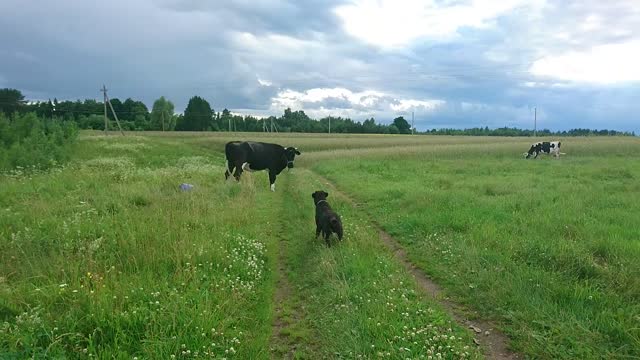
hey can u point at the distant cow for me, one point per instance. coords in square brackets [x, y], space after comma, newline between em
[255, 156]
[545, 147]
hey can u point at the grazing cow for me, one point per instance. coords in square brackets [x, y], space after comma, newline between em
[255, 156]
[327, 220]
[545, 147]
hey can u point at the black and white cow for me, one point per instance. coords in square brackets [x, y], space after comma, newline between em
[255, 156]
[545, 147]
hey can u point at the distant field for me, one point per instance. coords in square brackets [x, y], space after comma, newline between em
[316, 142]
[106, 257]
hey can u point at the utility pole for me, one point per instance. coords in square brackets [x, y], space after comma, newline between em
[106, 101]
[412, 127]
[535, 122]
[162, 120]
[329, 124]
[106, 121]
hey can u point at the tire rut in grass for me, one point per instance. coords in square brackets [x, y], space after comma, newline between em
[494, 343]
[287, 314]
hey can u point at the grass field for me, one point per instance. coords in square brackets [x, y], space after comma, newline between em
[105, 257]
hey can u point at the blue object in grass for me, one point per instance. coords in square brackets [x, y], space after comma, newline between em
[186, 187]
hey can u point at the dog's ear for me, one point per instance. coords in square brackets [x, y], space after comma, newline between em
[326, 194]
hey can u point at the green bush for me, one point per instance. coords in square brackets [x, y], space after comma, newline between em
[30, 142]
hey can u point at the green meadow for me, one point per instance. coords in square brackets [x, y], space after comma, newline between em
[105, 257]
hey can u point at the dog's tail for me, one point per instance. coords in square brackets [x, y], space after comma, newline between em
[336, 226]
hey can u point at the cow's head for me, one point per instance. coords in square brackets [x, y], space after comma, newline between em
[290, 155]
[535, 148]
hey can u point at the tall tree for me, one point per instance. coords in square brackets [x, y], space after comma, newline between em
[197, 116]
[162, 112]
[402, 125]
[225, 121]
[11, 100]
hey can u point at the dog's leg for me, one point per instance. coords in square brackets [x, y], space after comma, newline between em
[317, 230]
[326, 238]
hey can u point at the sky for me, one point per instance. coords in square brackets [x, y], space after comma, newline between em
[453, 63]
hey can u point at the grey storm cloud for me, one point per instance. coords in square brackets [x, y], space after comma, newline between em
[258, 56]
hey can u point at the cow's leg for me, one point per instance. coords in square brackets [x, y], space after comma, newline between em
[238, 171]
[317, 230]
[272, 180]
[229, 171]
[326, 238]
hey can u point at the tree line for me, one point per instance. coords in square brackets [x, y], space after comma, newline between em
[200, 116]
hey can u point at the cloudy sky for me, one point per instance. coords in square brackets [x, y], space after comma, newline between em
[455, 63]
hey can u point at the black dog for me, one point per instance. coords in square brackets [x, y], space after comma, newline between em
[327, 220]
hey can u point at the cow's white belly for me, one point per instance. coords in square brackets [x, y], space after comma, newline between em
[246, 167]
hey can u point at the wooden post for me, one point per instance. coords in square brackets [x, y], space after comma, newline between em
[106, 120]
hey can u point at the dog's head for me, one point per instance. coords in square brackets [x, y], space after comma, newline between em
[319, 195]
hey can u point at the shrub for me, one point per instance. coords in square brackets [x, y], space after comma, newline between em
[31, 142]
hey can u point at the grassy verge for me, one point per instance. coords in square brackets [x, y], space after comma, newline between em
[548, 248]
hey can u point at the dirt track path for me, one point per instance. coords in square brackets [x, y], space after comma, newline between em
[492, 341]
[283, 346]
[289, 323]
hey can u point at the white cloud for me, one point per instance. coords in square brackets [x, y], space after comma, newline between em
[320, 102]
[592, 22]
[543, 84]
[603, 64]
[392, 23]
[407, 105]
[297, 100]
[264, 82]
[273, 45]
